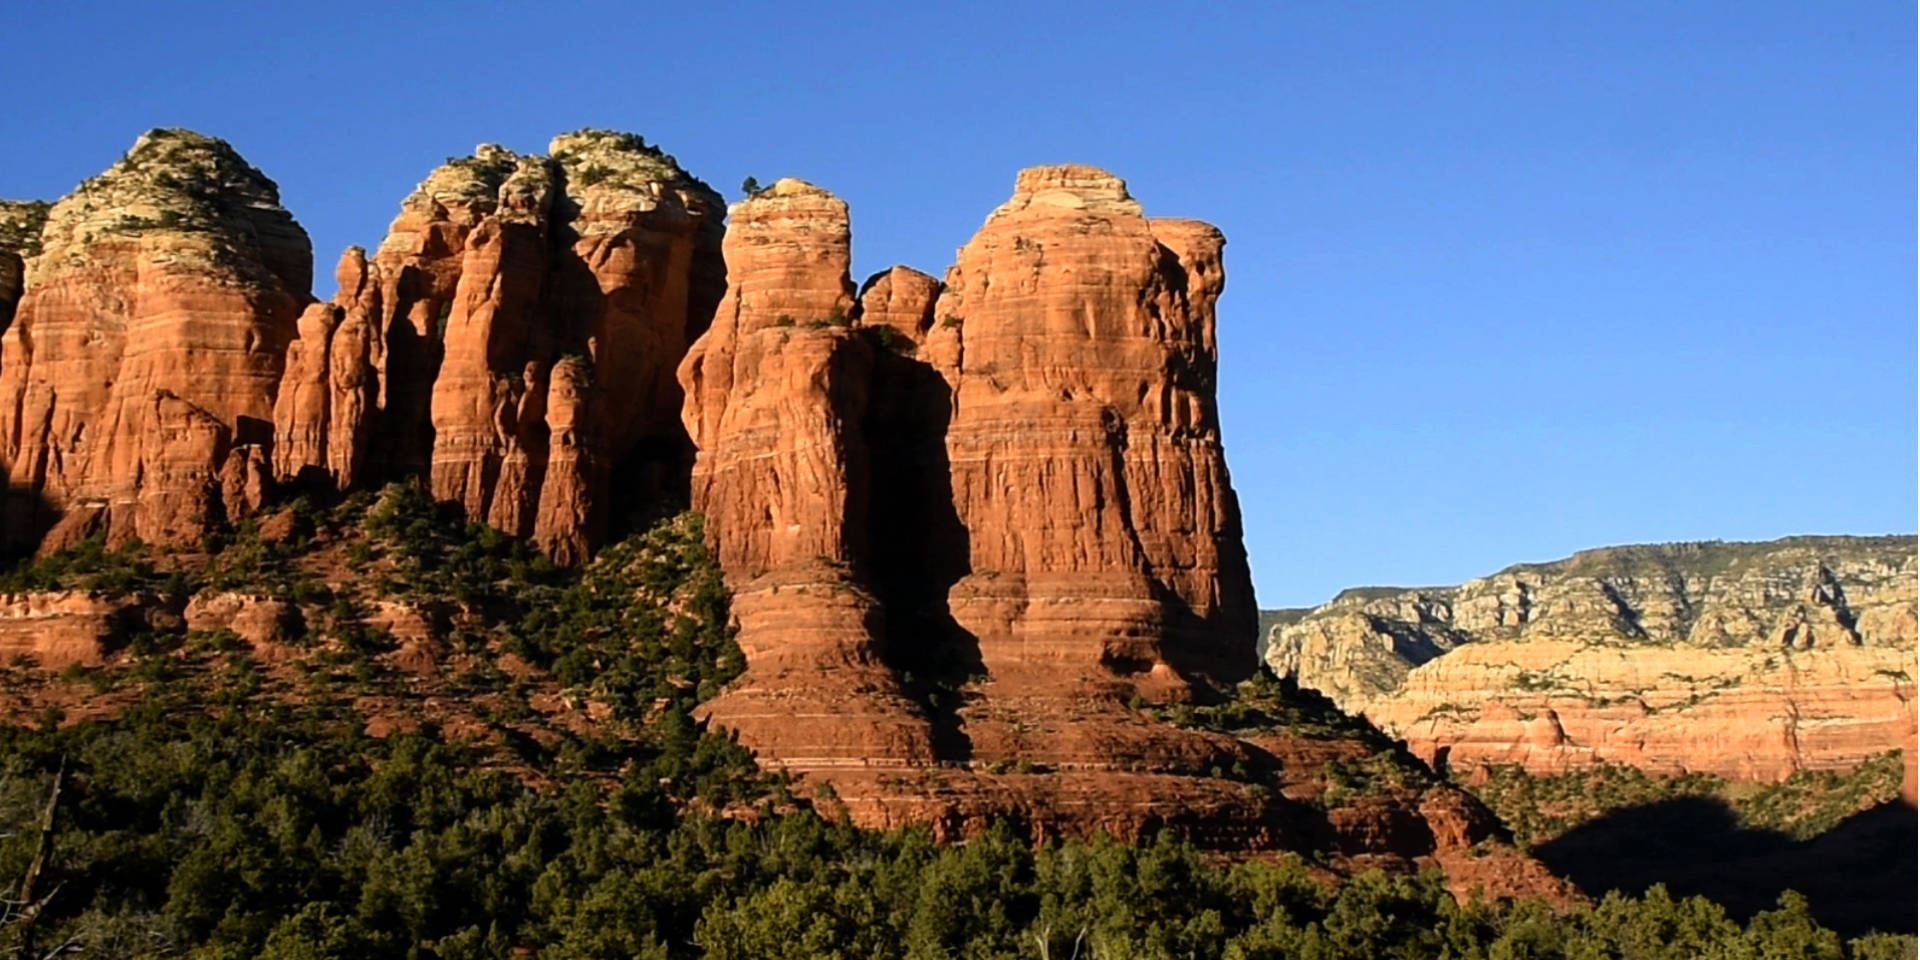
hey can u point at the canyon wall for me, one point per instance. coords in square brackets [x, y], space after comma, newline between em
[1748, 661]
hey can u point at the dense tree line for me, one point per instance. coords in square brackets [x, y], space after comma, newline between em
[274, 832]
[207, 818]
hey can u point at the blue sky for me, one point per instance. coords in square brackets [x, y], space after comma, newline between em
[1505, 280]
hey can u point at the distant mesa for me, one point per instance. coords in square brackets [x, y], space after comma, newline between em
[1745, 660]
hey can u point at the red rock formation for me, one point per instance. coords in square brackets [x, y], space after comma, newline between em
[149, 340]
[414, 273]
[62, 628]
[20, 224]
[840, 448]
[900, 299]
[484, 393]
[776, 391]
[568, 507]
[304, 401]
[1104, 538]
[322, 429]
[441, 363]
[12, 276]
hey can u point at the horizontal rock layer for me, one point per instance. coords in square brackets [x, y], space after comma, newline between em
[1749, 661]
[147, 345]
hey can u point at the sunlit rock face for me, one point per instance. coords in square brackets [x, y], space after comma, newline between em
[777, 392]
[146, 345]
[513, 339]
[1103, 534]
[1748, 661]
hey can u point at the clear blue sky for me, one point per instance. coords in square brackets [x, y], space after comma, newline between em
[1505, 280]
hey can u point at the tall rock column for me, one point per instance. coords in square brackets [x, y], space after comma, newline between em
[636, 274]
[1087, 468]
[414, 276]
[776, 391]
[482, 395]
[323, 409]
[148, 343]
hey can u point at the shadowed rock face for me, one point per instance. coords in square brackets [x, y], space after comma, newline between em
[20, 226]
[1748, 661]
[147, 345]
[777, 391]
[440, 356]
[968, 525]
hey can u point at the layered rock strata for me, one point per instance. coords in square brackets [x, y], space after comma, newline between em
[1748, 661]
[974, 530]
[978, 532]
[1022, 466]
[1103, 536]
[147, 345]
[776, 393]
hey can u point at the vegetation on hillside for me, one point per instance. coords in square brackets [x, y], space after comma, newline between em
[1807, 804]
[541, 789]
[277, 831]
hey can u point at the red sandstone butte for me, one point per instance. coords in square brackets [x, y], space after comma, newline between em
[1103, 535]
[923, 637]
[147, 346]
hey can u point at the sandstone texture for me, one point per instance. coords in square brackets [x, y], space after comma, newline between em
[513, 340]
[59, 629]
[1103, 536]
[976, 529]
[1012, 480]
[776, 393]
[147, 345]
[265, 624]
[1747, 661]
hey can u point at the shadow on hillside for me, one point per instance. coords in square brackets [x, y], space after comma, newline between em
[918, 548]
[25, 517]
[1858, 877]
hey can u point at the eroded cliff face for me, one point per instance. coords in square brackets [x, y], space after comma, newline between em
[1012, 480]
[1748, 661]
[976, 530]
[776, 393]
[147, 345]
[1103, 536]
[513, 341]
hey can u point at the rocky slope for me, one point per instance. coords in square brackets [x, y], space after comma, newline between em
[1747, 661]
